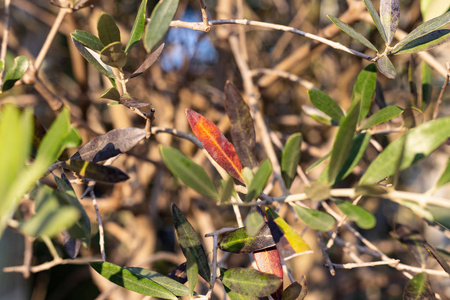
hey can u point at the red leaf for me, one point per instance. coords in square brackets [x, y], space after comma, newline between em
[215, 143]
[268, 261]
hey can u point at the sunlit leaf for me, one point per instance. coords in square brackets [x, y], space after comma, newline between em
[254, 222]
[351, 32]
[381, 116]
[433, 8]
[87, 39]
[423, 29]
[159, 22]
[138, 26]
[362, 217]
[108, 32]
[16, 72]
[250, 282]
[190, 243]
[259, 180]
[113, 55]
[425, 42]
[326, 104]
[94, 58]
[191, 271]
[148, 62]
[364, 89]
[112, 94]
[420, 142]
[289, 243]
[390, 15]
[132, 279]
[318, 115]
[290, 158]
[314, 218]
[242, 128]
[236, 296]
[187, 171]
[110, 144]
[445, 176]
[386, 67]
[227, 189]
[376, 19]
[239, 241]
[95, 171]
[317, 163]
[215, 143]
[269, 261]
[418, 288]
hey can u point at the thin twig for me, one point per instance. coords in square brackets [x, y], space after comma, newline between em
[177, 133]
[5, 38]
[50, 264]
[324, 249]
[48, 242]
[204, 15]
[100, 226]
[441, 94]
[289, 76]
[366, 264]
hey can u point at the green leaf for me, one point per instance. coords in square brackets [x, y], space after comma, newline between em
[259, 180]
[108, 32]
[376, 19]
[343, 142]
[418, 288]
[254, 222]
[390, 15]
[317, 163]
[296, 290]
[2, 66]
[318, 191]
[315, 219]
[362, 217]
[51, 215]
[131, 280]
[113, 55]
[420, 142]
[250, 282]
[188, 172]
[239, 241]
[190, 243]
[112, 94]
[360, 143]
[386, 67]
[445, 176]
[364, 89]
[94, 59]
[227, 189]
[95, 171]
[381, 116]
[326, 104]
[290, 158]
[87, 39]
[19, 68]
[289, 243]
[236, 296]
[158, 25]
[423, 29]
[318, 115]
[138, 27]
[351, 32]
[82, 227]
[191, 272]
[425, 42]
[433, 8]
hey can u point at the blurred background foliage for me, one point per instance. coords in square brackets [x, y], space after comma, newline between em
[191, 73]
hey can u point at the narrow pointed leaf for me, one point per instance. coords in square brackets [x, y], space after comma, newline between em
[242, 128]
[440, 259]
[227, 189]
[269, 261]
[111, 94]
[159, 22]
[108, 32]
[239, 241]
[2, 66]
[289, 243]
[190, 243]
[423, 29]
[445, 176]
[315, 219]
[130, 101]
[364, 89]
[87, 39]
[386, 67]
[259, 180]
[131, 280]
[254, 222]
[426, 42]
[318, 115]
[113, 55]
[376, 19]
[138, 26]
[390, 15]
[343, 142]
[82, 228]
[290, 158]
[95, 171]
[420, 142]
[16, 72]
[381, 116]
[250, 282]
[414, 241]
[317, 163]
[191, 272]
[191, 174]
[352, 32]
[296, 291]
[418, 288]
[110, 144]
[215, 143]
[362, 217]
[94, 58]
[148, 62]
[360, 143]
[318, 191]
[326, 104]
[433, 8]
